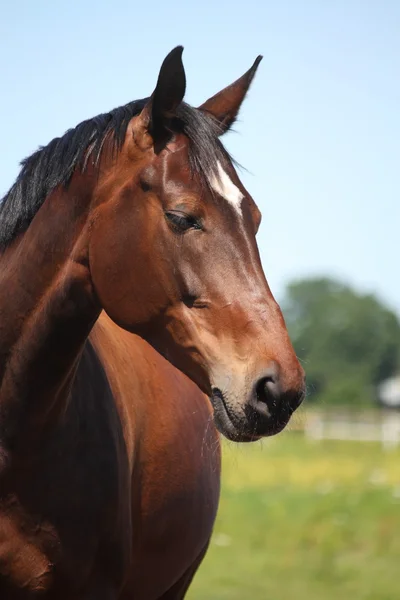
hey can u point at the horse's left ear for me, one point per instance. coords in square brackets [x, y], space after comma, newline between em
[225, 105]
[162, 104]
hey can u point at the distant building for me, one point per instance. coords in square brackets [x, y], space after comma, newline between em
[389, 392]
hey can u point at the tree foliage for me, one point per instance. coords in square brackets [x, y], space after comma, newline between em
[348, 342]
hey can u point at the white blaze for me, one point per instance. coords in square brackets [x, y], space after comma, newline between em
[224, 186]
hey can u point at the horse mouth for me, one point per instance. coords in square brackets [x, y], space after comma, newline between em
[247, 427]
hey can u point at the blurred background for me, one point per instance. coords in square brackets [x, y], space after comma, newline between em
[315, 512]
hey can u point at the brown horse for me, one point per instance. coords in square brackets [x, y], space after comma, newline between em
[133, 309]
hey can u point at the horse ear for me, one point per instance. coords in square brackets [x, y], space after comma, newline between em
[225, 105]
[170, 88]
[165, 99]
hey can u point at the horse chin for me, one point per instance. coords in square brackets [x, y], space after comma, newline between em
[225, 422]
[238, 428]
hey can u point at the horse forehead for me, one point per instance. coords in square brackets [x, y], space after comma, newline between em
[223, 185]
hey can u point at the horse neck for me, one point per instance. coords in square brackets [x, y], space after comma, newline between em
[47, 309]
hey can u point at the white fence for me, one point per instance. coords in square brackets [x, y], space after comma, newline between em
[381, 427]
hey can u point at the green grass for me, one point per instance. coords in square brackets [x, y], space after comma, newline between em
[301, 520]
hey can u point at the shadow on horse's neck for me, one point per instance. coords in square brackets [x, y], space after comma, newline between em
[47, 309]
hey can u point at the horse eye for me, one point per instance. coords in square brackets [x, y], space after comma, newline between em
[182, 222]
[144, 185]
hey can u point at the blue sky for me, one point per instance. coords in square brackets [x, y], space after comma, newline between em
[319, 132]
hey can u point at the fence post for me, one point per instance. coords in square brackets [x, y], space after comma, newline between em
[390, 431]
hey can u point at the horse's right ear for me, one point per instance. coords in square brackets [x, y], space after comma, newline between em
[224, 106]
[161, 107]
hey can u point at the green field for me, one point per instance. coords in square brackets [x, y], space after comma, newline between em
[301, 520]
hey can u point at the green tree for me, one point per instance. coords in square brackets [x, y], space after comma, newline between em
[348, 342]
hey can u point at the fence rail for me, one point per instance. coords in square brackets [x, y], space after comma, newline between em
[378, 427]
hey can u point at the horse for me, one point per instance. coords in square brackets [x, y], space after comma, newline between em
[136, 327]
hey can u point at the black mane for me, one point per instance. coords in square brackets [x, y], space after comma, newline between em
[54, 164]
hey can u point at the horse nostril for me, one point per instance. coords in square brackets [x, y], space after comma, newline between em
[271, 396]
[268, 389]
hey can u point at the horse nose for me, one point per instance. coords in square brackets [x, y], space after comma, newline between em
[271, 396]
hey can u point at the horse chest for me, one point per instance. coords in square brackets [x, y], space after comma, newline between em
[25, 551]
[178, 499]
